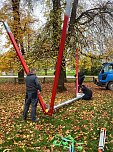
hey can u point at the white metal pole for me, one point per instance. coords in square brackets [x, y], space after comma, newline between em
[79, 96]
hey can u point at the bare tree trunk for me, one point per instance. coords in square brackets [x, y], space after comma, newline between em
[72, 20]
[56, 40]
[56, 21]
[17, 34]
[61, 86]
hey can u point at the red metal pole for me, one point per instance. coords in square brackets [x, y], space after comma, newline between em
[58, 66]
[16, 47]
[11, 36]
[44, 108]
[77, 71]
[60, 55]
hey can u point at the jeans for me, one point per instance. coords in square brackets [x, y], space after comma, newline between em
[31, 99]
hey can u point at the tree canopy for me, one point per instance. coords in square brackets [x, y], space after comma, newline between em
[90, 29]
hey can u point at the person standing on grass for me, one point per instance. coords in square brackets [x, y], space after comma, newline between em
[32, 86]
[81, 78]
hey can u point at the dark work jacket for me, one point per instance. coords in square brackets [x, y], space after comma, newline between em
[87, 93]
[32, 83]
[81, 77]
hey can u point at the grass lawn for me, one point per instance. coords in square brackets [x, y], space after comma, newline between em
[82, 120]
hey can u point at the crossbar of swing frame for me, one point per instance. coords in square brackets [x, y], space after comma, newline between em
[41, 102]
[79, 96]
[58, 68]
[25, 67]
[43, 107]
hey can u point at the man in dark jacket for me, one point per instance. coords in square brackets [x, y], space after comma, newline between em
[32, 86]
[87, 92]
[81, 78]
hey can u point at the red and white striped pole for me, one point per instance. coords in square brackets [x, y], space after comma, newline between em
[11, 36]
[60, 54]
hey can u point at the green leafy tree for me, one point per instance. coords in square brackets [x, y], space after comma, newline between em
[8, 62]
[20, 21]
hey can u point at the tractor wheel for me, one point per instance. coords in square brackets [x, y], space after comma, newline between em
[110, 86]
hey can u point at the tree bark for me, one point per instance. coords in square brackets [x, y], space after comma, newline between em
[56, 18]
[62, 76]
[18, 34]
[72, 20]
[56, 39]
[56, 21]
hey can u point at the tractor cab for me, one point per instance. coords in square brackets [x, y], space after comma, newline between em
[105, 77]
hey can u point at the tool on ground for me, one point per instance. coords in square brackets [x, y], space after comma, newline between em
[67, 142]
[102, 140]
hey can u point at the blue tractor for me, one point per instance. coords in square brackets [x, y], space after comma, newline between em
[105, 77]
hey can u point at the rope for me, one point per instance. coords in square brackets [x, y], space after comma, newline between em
[67, 142]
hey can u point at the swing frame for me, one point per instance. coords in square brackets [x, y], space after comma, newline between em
[58, 66]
